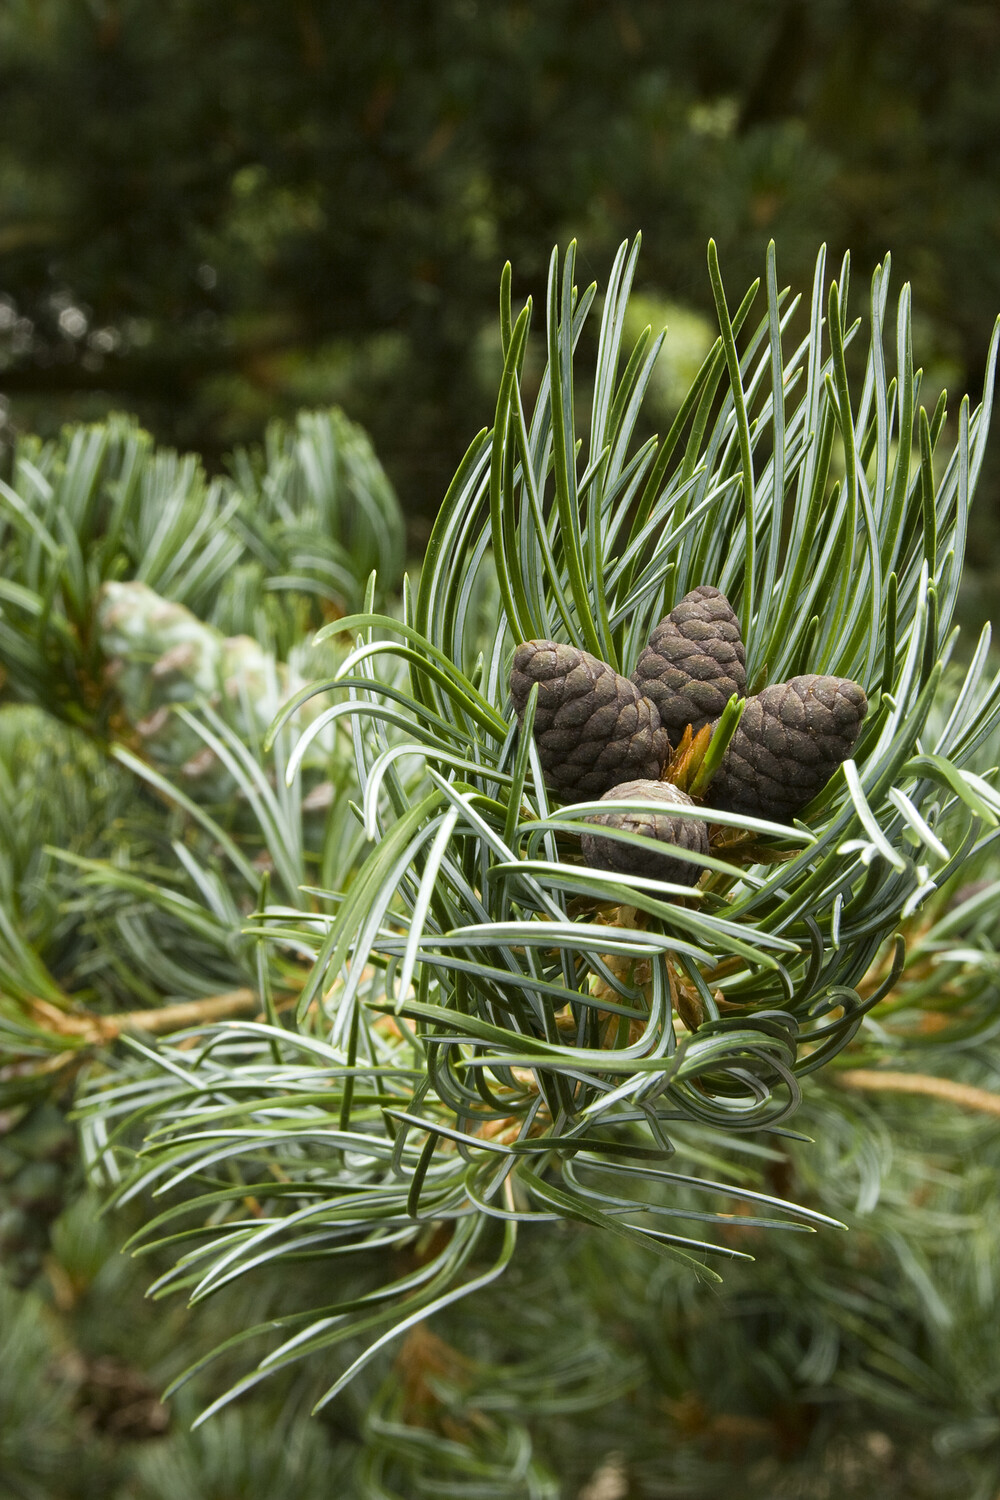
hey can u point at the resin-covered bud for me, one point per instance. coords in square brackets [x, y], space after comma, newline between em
[790, 740]
[665, 826]
[694, 662]
[593, 728]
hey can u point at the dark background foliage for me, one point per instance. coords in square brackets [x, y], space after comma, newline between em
[214, 214]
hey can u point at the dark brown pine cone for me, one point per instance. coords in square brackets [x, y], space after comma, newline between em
[694, 662]
[593, 728]
[790, 740]
[626, 859]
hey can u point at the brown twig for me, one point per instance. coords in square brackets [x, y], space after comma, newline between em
[874, 1080]
[95, 1030]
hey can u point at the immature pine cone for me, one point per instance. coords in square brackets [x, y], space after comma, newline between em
[790, 740]
[694, 662]
[37, 1161]
[626, 859]
[593, 728]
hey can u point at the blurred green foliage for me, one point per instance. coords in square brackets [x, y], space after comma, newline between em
[849, 1365]
[214, 215]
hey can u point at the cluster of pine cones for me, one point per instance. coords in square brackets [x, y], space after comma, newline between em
[603, 735]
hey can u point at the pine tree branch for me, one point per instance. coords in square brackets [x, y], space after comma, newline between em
[95, 1029]
[963, 1095]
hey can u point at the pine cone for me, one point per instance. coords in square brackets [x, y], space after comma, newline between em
[626, 859]
[694, 662]
[790, 740]
[37, 1175]
[593, 728]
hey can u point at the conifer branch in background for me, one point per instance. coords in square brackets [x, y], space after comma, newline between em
[885, 1080]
